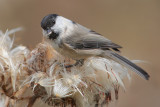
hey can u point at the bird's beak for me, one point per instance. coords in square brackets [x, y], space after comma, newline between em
[49, 31]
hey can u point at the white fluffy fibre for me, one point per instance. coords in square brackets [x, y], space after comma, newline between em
[43, 72]
[11, 59]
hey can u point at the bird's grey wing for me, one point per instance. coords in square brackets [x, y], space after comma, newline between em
[85, 39]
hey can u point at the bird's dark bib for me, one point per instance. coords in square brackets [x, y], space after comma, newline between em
[53, 36]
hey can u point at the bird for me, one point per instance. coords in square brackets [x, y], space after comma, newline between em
[77, 42]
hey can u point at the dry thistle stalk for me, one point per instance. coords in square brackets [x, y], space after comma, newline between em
[42, 74]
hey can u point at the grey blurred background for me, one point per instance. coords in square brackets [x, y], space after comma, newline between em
[133, 24]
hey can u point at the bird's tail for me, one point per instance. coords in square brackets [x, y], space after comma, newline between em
[124, 61]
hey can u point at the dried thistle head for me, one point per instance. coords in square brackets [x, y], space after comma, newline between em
[92, 83]
[42, 73]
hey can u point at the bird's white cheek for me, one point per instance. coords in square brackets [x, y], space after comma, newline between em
[56, 29]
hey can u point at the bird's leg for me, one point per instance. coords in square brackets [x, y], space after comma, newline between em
[78, 62]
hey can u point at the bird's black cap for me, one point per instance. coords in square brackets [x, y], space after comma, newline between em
[48, 21]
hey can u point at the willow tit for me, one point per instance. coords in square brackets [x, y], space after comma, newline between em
[78, 42]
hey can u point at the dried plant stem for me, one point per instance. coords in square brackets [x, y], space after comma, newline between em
[31, 101]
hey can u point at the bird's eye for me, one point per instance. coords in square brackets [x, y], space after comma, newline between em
[50, 23]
